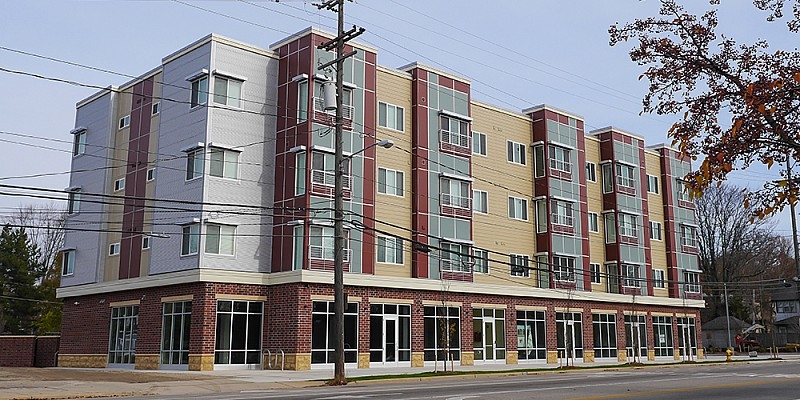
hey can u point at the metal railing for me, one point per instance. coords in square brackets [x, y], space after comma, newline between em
[347, 110]
[326, 253]
[455, 138]
[328, 178]
[456, 201]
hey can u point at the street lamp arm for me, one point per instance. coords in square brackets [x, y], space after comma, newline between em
[386, 143]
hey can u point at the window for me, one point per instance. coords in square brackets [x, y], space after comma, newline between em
[441, 332]
[591, 172]
[604, 327]
[389, 333]
[227, 91]
[595, 272]
[519, 265]
[560, 158]
[220, 239]
[786, 306]
[683, 192]
[455, 193]
[321, 245]
[561, 212]
[658, 279]
[125, 122]
[569, 334]
[625, 177]
[636, 336]
[516, 153]
[390, 182]
[688, 236]
[302, 101]
[627, 225]
[564, 269]
[190, 239]
[175, 327]
[390, 250]
[238, 338]
[298, 247]
[113, 249]
[194, 164]
[687, 336]
[655, 230]
[119, 184]
[531, 337]
[151, 174]
[481, 258]
[454, 131]
[541, 215]
[608, 178]
[122, 335]
[347, 100]
[692, 280]
[156, 108]
[323, 169]
[478, 143]
[390, 116]
[480, 200]
[199, 91]
[145, 242]
[610, 227]
[489, 334]
[538, 160]
[662, 336]
[517, 208]
[630, 275]
[455, 257]
[67, 262]
[73, 202]
[223, 163]
[593, 223]
[652, 184]
[322, 337]
[79, 143]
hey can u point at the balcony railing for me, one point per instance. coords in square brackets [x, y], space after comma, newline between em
[560, 219]
[560, 165]
[328, 178]
[326, 253]
[456, 201]
[347, 110]
[455, 138]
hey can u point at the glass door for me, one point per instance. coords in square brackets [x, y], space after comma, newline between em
[390, 338]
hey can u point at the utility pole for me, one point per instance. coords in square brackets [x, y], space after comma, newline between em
[794, 216]
[338, 226]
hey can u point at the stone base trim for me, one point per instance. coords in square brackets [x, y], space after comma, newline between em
[417, 359]
[588, 356]
[147, 361]
[201, 362]
[512, 357]
[467, 358]
[299, 362]
[552, 357]
[622, 355]
[83, 360]
[700, 353]
[363, 360]
[651, 355]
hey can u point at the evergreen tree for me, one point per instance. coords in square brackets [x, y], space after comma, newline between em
[19, 273]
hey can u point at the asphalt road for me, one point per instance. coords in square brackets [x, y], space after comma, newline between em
[761, 380]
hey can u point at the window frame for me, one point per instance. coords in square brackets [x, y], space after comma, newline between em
[516, 153]
[689, 240]
[655, 226]
[561, 269]
[480, 198]
[559, 158]
[462, 199]
[595, 273]
[591, 172]
[480, 254]
[224, 163]
[512, 207]
[195, 164]
[480, 143]
[628, 225]
[465, 135]
[562, 213]
[198, 91]
[625, 175]
[593, 222]
[383, 106]
[691, 282]
[453, 253]
[114, 249]
[155, 108]
[659, 279]
[79, 143]
[151, 174]
[68, 262]
[124, 122]
[190, 238]
[146, 242]
[652, 184]
[383, 184]
[119, 184]
[228, 99]
[73, 202]
[211, 237]
[395, 249]
[519, 270]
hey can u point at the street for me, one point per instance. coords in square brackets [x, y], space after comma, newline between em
[760, 380]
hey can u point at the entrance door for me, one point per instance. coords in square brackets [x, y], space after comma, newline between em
[569, 340]
[390, 337]
[686, 342]
[635, 346]
[488, 339]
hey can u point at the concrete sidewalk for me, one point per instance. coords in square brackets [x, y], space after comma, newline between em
[59, 383]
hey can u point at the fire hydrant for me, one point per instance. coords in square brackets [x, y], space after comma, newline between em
[728, 354]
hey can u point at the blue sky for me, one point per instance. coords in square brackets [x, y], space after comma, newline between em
[516, 54]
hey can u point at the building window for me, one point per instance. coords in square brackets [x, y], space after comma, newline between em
[321, 245]
[125, 122]
[531, 335]
[122, 337]
[595, 272]
[113, 249]
[199, 91]
[687, 336]
[323, 170]
[683, 192]
[455, 193]
[194, 164]
[227, 91]
[73, 202]
[539, 161]
[389, 333]
[300, 173]
[322, 337]
[543, 271]
[347, 100]
[390, 250]
[625, 177]
[151, 174]
[67, 262]
[541, 215]
[604, 327]
[569, 334]
[298, 247]
[564, 269]
[479, 143]
[655, 230]
[561, 212]
[591, 172]
[190, 240]
[442, 333]
[662, 336]
[593, 223]
[390, 182]
[608, 178]
[302, 101]
[520, 265]
[156, 108]
[516, 153]
[784, 307]
[628, 225]
[636, 336]
[630, 275]
[481, 258]
[489, 334]
[560, 158]
[692, 280]
[652, 184]
[688, 237]
[119, 184]
[390, 116]
[454, 131]
[517, 208]
[610, 227]
[223, 163]
[79, 143]
[455, 257]
[659, 281]
[220, 239]
[145, 242]
[480, 200]
[239, 325]
[175, 328]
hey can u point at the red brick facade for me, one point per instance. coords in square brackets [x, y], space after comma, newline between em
[28, 351]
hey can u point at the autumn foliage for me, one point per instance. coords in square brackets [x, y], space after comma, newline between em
[737, 103]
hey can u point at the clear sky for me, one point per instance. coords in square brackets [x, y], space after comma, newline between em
[517, 54]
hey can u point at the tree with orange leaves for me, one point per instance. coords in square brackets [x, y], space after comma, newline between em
[738, 103]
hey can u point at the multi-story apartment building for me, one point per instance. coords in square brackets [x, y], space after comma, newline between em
[200, 229]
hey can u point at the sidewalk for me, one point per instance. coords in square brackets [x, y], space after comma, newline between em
[51, 383]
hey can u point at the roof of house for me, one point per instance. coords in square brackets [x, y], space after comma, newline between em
[720, 324]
